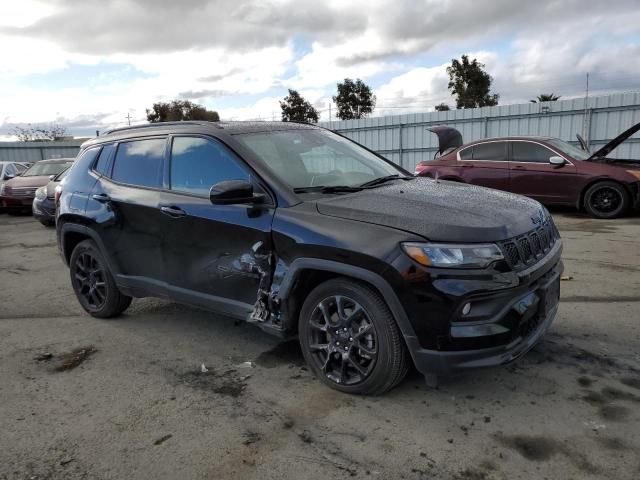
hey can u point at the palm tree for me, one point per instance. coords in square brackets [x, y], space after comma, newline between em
[546, 97]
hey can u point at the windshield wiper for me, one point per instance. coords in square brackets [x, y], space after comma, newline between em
[385, 179]
[327, 189]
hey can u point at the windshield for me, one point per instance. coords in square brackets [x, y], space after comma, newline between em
[315, 158]
[571, 150]
[44, 169]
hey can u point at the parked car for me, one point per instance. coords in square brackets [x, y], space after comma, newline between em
[44, 202]
[306, 233]
[17, 193]
[550, 170]
[9, 170]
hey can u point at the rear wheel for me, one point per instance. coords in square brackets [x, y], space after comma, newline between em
[93, 283]
[350, 338]
[606, 200]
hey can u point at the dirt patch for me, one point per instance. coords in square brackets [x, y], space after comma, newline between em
[614, 413]
[608, 299]
[229, 383]
[540, 448]
[633, 382]
[69, 360]
[282, 354]
[162, 439]
[585, 381]
[612, 443]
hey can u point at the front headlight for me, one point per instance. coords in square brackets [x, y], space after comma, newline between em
[635, 173]
[41, 193]
[444, 255]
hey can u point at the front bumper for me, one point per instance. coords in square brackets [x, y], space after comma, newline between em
[16, 202]
[529, 330]
[44, 209]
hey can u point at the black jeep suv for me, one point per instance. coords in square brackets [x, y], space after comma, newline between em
[306, 233]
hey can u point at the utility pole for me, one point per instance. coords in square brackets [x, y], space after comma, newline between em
[128, 117]
[329, 114]
[585, 126]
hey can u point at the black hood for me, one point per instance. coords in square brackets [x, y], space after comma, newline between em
[439, 210]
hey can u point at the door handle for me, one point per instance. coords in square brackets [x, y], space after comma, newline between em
[519, 167]
[173, 211]
[101, 197]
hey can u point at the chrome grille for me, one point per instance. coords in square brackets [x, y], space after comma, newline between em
[525, 250]
[19, 191]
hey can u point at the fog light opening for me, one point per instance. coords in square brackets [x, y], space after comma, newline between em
[466, 309]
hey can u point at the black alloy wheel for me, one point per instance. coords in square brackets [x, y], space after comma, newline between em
[90, 280]
[342, 340]
[93, 283]
[350, 339]
[606, 200]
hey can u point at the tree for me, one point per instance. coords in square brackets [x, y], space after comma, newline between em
[178, 110]
[52, 132]
[470, 84]
[354, 100]
[442, 107]
[296, 109]
[546, 97]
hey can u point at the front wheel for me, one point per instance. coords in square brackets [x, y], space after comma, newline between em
[350, 338]
[606, 200]
[93, 283]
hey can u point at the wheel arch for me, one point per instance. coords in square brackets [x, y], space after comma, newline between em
[305, 274]
[580, 200]
[71, 234]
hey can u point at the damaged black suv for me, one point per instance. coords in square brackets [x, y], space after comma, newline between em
[304, 232]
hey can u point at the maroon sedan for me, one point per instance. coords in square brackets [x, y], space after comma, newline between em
[17, 194]
[548, 169]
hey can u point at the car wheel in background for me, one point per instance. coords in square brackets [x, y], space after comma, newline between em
[350, 338]
[93, 283]
[47, 223]
[606, 200]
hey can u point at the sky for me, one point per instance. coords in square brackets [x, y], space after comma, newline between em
[96, 64]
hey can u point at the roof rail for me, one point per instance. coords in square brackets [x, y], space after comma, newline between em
[162, 124]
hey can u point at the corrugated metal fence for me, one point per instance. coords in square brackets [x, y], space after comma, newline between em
[404, 139]
[34, 151]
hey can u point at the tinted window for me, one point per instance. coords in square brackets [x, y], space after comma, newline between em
[530, 152]
[140, 162]
[103, 160]
[10, 169]
[466, 154]
[198, 163]
[42, 169]
[490, 151]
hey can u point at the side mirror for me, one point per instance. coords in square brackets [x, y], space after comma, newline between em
[232, 192]
[51, 177]
[557, 161]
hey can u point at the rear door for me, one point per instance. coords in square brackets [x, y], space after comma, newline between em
[485, 164]
[125, 203]
[532, 174]
[209, 248]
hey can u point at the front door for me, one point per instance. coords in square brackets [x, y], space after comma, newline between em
[532, 175]
[485, 164]
[213, 252]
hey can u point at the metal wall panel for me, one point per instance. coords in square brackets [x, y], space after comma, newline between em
[34, 151]
[404, 139]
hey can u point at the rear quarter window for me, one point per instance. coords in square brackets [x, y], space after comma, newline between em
[102, 164]
[139, 162]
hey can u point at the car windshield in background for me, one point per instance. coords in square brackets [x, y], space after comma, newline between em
[305, 159]
[569, 149]
[42, 169]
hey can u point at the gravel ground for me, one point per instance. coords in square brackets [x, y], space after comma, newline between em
[127, 398]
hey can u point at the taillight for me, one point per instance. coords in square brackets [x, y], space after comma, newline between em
[57, 194]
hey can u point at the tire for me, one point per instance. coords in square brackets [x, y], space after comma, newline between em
[93, 283]
[606, 200]
[365, 340]
[47, 223]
